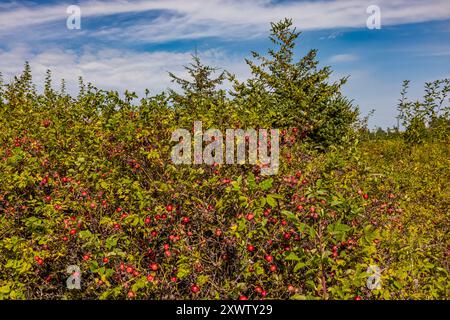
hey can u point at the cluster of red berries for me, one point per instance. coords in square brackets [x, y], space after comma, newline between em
[39, 260]
[134, 164]
[260, 290]
[349, 244]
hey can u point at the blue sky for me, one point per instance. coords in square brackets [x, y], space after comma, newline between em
[133, 44]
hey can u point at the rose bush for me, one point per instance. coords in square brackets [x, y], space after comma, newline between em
[88, 181]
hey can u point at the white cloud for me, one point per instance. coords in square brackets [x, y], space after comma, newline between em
[344, 57]
[230, 18]
[110, 68]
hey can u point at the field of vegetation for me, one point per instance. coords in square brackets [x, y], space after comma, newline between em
[88, 181]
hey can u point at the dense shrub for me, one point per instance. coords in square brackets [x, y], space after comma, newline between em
[88, 181]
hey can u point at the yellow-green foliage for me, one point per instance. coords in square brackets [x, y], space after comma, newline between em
[89, 181]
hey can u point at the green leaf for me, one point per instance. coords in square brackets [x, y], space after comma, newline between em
[266, 184]
[201, 280]
[299, 265]
[271, 201]
[111, 242]
[85, 234]
[292, 257]
[298, 297]
[251, 181]
[139, 284]
[289, 215]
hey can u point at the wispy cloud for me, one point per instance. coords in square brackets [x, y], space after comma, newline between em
[441, 51]
[333, 35]
[216, 18]
[344, 57]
